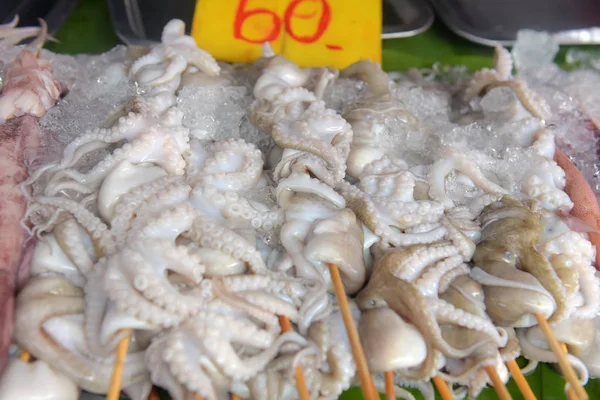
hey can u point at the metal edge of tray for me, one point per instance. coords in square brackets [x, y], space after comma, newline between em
[56, 16]
[122, 22]
[562, 37]
[419, 25]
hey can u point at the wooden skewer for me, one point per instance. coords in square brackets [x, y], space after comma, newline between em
[115, 381]
[366, 381]
[522, 383]
[443, 388]
[501, 389]
[153, 394]
[284, 322]
[570, 393]
[390, 389]
[25, 356]
[563, 362]
[235, 397]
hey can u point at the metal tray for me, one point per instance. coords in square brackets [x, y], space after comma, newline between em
[405, 18]
[54, 12]
[139, 22]
[492, 22]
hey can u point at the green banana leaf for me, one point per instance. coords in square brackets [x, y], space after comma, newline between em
[89, 30]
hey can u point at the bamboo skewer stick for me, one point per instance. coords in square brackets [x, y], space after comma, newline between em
[300, 382]
[520, 380]
[369, 391]
[501, 389]
[390, 390]
[235, 397]
[115, 381]
[153, 394]
[563, 362]
[25, 356]
[443, 388]
[366, 381]
[570, 393]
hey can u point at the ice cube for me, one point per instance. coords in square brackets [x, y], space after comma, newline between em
[344, 93]
[501, 100]
[213, 112]
[534, 49]
[98, 89]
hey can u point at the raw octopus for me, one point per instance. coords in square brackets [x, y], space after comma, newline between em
[190, 242]
[28, 92]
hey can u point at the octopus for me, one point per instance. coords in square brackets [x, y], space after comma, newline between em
[366, 116]
[426, 288]
[508, 250]
[501, 76]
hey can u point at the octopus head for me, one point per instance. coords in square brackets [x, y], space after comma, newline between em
[389, 342]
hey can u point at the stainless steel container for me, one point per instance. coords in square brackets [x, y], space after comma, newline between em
[139, 22]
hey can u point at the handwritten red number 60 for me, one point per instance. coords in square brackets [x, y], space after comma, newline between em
[242, 14]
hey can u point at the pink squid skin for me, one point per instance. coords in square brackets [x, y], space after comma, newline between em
[585, 204]
[19, 141]
[16, 135]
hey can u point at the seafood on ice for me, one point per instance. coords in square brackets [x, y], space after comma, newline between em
[187, 204]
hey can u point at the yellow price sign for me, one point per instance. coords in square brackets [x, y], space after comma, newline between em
[309, 32]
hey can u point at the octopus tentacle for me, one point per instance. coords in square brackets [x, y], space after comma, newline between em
[137, 304]
[460, 162]
[44, 308]
[154, 146]
[426, 389]
[408, 266]
[366, 210]
[217, 237]
[172, 197]
[96, 303]
[533, 352]
[371, 73]
[235, 164]
[459, 239]
[270, 304]
[68, 234]
[220, 349]
[429, 281]
[99, 232]
[167, 224]
[447, 313]
[128, 203]
[92, 140]
[234, 300]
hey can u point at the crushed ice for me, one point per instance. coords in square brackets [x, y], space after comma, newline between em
[99, 88]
